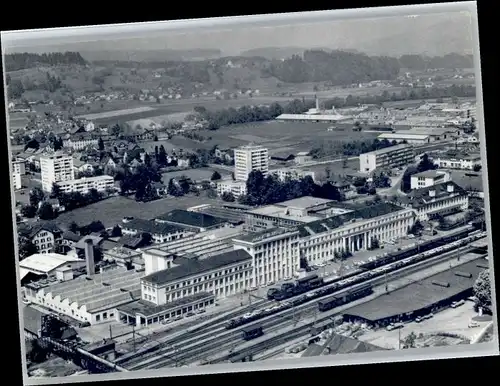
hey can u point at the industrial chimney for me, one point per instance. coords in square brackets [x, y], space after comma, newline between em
[89, 257]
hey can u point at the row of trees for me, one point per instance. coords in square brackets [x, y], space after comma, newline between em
[337, 67]
[20, 61]
[449, 61]
[269, 190]
[140, 181]
[352, 148]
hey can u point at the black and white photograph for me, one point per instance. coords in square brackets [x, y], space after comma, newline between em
[253, 192]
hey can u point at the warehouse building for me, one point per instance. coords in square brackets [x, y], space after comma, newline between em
[50, 265]
[429, 295]
[193, 221]
[414, 139]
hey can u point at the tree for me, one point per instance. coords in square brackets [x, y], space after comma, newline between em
[28, 211]
[73, 227]
[100, 144]
[15, 89]
[162, 156]
[482, 291]
[174, 189]
[211, 193]
[477, 168]
[409, 341]
[116, 231]
[26, 248]
[56, 191]
[228, 197]
[46, 212]
[36, 196]
[37, 354]
[215, 176]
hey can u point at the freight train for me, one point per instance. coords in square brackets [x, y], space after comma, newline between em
[313, 287]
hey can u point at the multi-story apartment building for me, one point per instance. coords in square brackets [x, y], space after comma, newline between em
[292, 173]
[389, 157]
[19, 166]
[250, 158]
[435, 200]
[56, 168]
[84, 185]
[429, 178]
[274, 254]
[16, 181]
[324, 239]
[43, 236]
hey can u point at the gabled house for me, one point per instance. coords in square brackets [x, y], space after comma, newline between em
[44, 236]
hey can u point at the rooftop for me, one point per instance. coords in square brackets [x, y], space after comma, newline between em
[420, 197]
[420, 295]
[255, 237]
[32, 319]
[46, 262]
[195, 267]
[30, 231]
[364, 213]
[429, 174]
[339, 344]
[193, 219]
[147, 309]
[151, 226]
[122, 253]
[400, 135]
[305, 202]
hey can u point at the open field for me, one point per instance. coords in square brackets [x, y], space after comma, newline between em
[354, 91]
[194, 174]
[111, 211]
[116, 113]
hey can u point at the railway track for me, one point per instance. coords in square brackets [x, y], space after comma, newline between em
[194, 347]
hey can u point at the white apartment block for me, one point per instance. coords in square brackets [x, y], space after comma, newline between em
[389, 157]
[291, 173]
[84, 185]
[465, 162]
[429, 178]
[250, 158]
[236, 188]
[57, 168]
[322, 239]
[19, 166]
[16, 181]
[80, 144]
[274, 252]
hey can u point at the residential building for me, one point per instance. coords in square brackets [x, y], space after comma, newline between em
[428, 178]
[192, 221]
[43, 236]
[302, 158]
[274, 254]
[81, 143]
[325, 239]
[389, 157]
[16, 181]
[160, 232]
[56, 168]
[293, 174]
[19, 166]
[458, 161]
[440, 199]
[236, 188]
[85, 184]
[249, 158]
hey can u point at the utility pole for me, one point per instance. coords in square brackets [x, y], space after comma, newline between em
[110, 333]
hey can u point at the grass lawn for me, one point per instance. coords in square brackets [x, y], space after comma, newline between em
[195, 174]
[111, 211]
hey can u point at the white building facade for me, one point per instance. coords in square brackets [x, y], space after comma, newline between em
[236, 188]
[56, 168]
[84, 185]
[465, 162]
[16, 181]
[250, 158]
[293, 174]
[275, 254]
[80, 144]
[429, 178]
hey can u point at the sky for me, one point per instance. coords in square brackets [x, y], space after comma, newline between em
[424, 33]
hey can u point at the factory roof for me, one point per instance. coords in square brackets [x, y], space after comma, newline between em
[192, 219]
[46, 262]
[420, 295]
[430, 130]
[304, 202]
[403, 136]
[191, 267]
[364, 213]
[256, 237]
[151, 226]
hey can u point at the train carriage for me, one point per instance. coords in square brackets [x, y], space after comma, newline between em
[252, 332]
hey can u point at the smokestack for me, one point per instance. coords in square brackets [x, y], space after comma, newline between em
[317, 102]
[89, 257]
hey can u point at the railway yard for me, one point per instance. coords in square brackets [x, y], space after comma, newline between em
[267, 328]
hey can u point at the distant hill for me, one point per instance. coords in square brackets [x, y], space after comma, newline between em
[152, 55]
[277, 53]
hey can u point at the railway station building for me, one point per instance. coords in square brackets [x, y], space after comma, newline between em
[421, 298]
